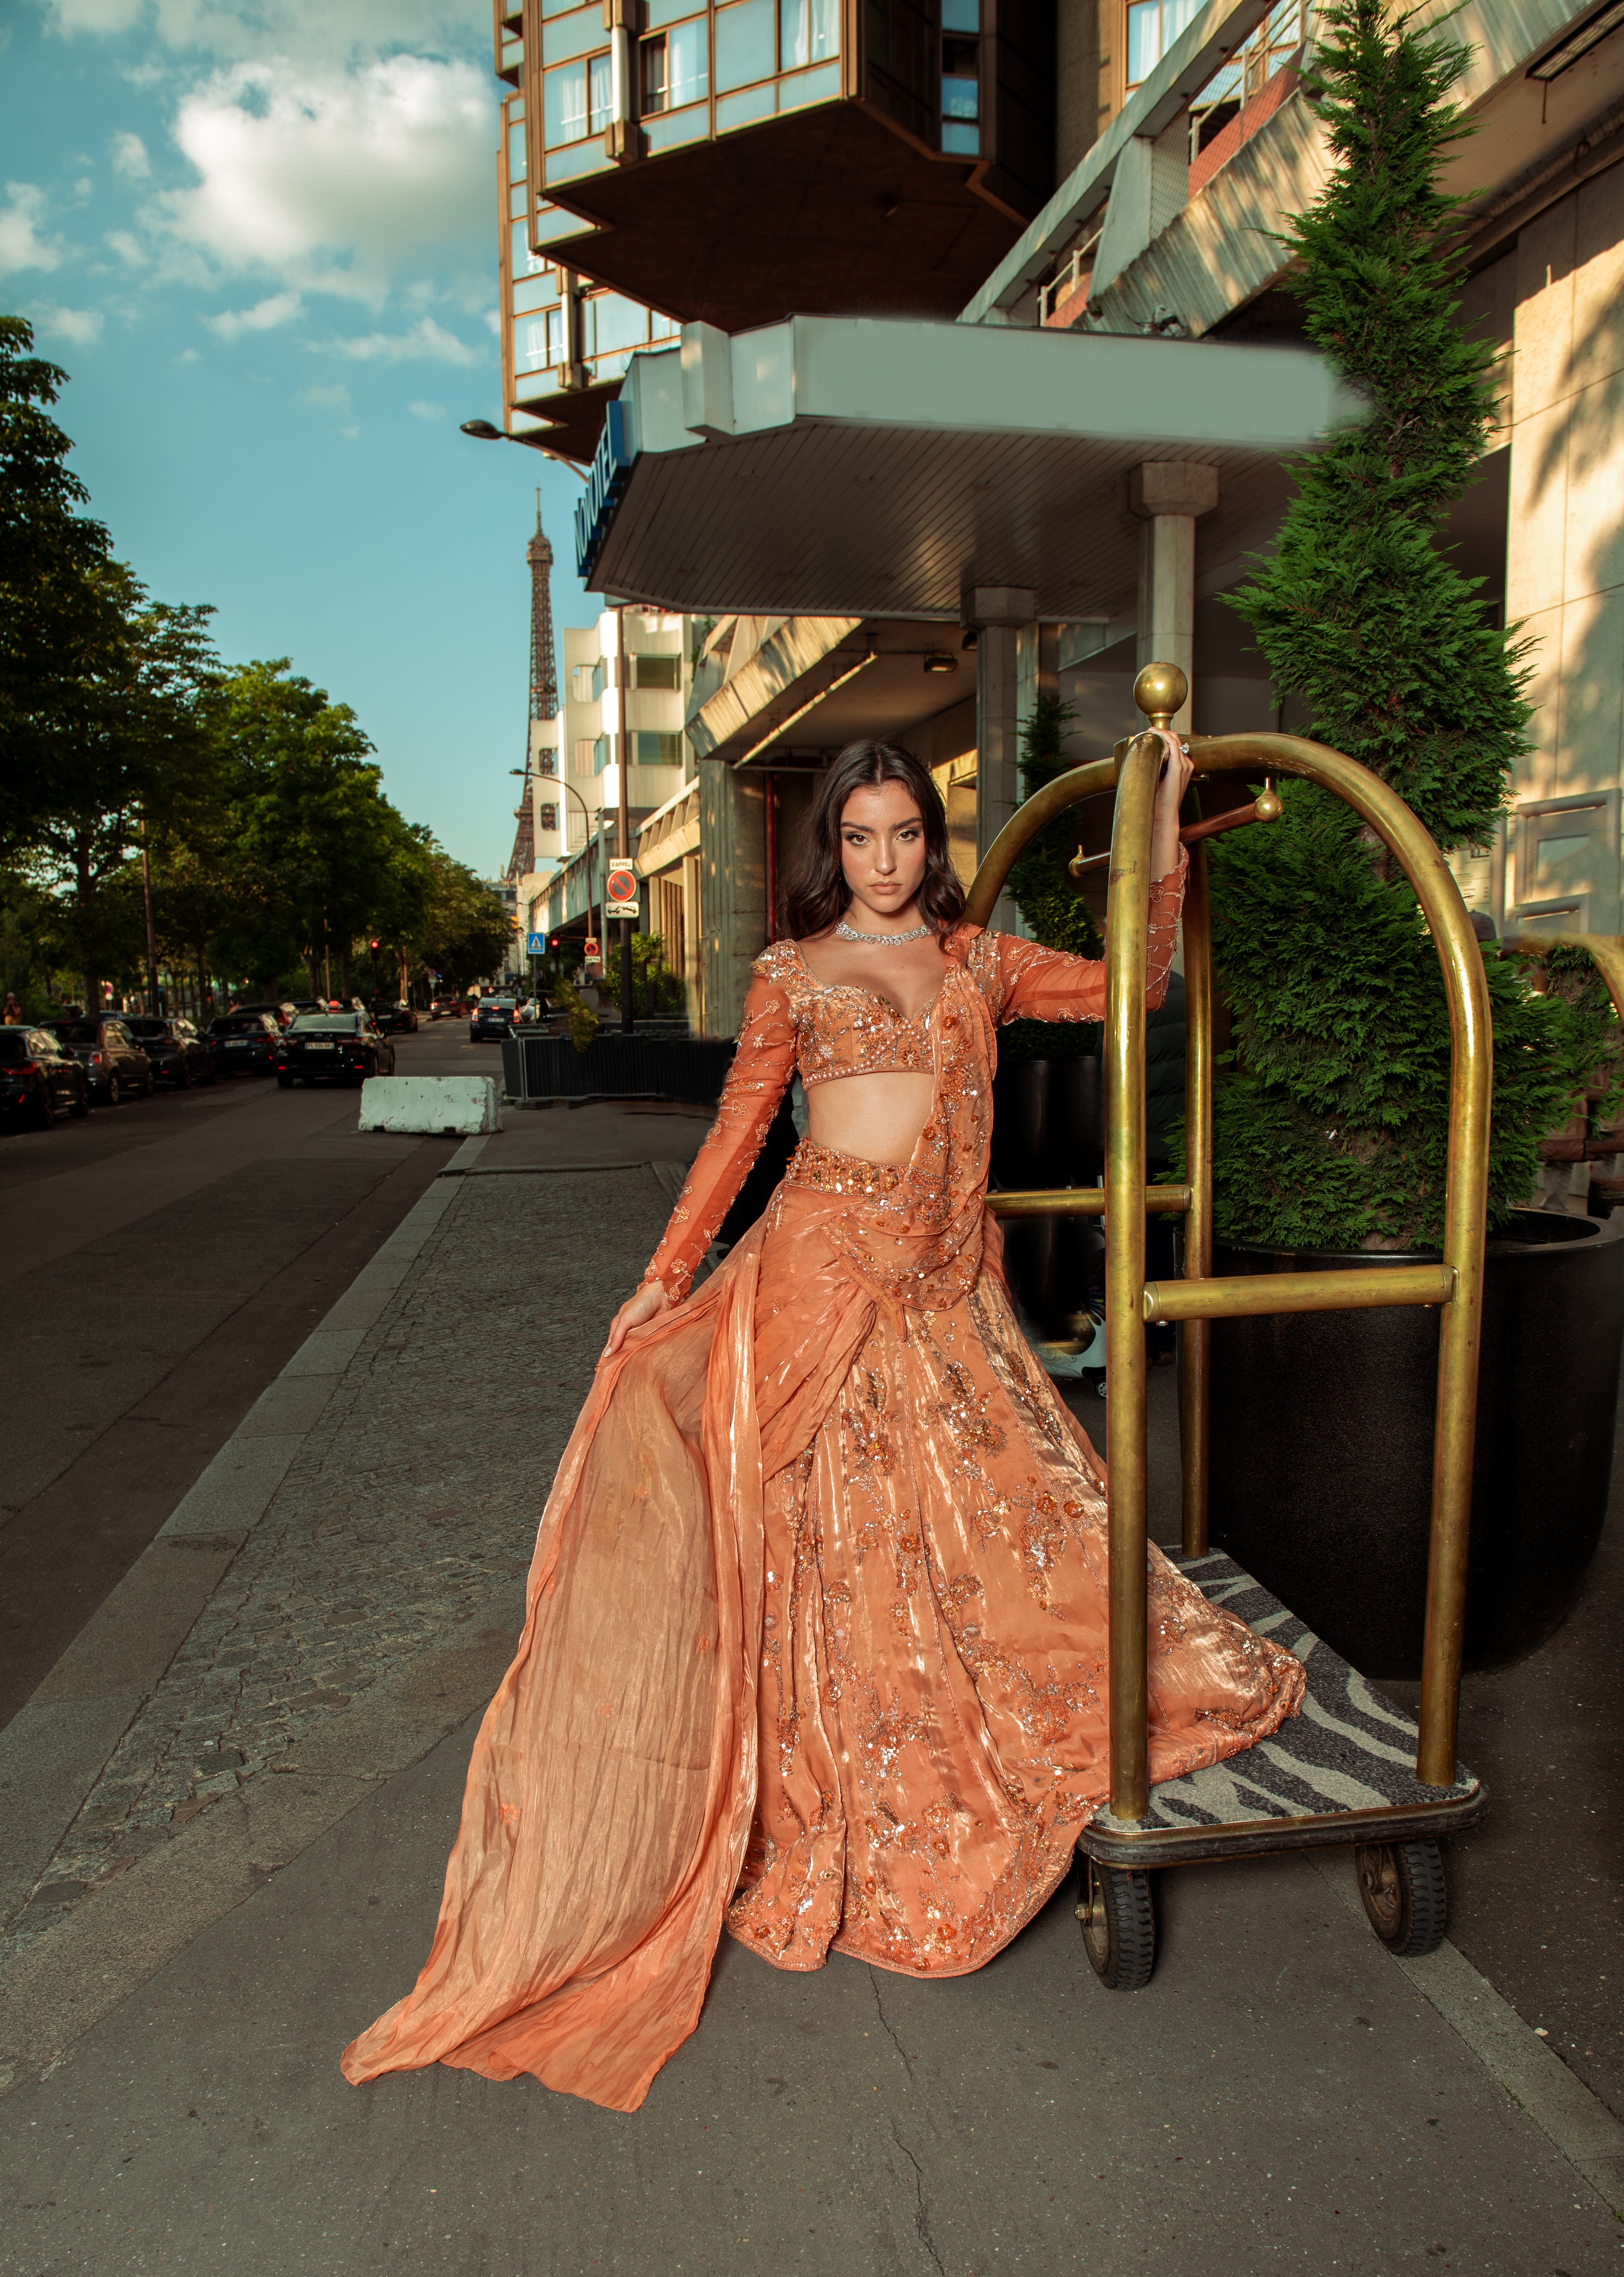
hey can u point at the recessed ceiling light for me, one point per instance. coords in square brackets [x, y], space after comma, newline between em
[939, 660]
[1579, 42]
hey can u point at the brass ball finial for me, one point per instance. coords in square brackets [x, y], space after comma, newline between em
[1161, 691]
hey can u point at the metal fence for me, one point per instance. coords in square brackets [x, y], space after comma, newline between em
[616, 1067]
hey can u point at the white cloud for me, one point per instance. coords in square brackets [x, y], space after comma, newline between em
[427, 410]
[264, 316]
[328, 398]
[21, 244]
[187, 355]
[232, 32]
[425, 341]
[129, 249]
[129, 156]
[81, 328]
[338, 181]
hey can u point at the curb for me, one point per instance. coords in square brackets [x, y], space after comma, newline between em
[56, 1746]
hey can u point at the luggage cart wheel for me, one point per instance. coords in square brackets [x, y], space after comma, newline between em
[1404, 1894]
[1118, 1921]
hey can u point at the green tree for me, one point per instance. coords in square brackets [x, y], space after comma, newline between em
[57, 618]
[135, 729]
[466, 930]
[1331, 1130]
[1041, 889]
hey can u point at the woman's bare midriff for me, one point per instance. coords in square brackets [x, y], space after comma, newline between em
[877, 1117]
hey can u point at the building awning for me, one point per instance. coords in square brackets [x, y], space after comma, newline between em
[857, 467]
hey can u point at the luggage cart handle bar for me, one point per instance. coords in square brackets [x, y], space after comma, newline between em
[1081, 1201]
[1242, 1296]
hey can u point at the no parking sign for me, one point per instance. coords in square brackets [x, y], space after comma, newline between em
[621, 894]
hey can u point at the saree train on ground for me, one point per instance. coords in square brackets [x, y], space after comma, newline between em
[1342, 1772]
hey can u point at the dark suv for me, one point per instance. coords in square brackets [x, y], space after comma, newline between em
[178, 1053]
[392, 1016]
[112, 1060]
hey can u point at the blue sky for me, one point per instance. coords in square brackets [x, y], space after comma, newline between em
[260, 237]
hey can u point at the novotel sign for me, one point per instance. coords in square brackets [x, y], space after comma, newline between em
[612, 464]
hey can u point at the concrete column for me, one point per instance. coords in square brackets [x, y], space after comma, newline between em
[1564, 563]
[732, 860]
[693, 944]
[999, 613]
[1169, 495]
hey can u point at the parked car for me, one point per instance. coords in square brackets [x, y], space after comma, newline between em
[244, 1042]
[307, 1004]
[333, 1047]
[39, 1076]
[394, 1015]
[493, 1018]
[178, 1053]
[113, 1061]
[281, 1014]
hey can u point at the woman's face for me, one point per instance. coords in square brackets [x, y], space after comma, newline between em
[882, 848]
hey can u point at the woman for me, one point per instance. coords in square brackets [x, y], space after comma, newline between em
[817, 1630]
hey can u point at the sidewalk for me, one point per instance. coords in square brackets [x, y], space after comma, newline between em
[226, 1815]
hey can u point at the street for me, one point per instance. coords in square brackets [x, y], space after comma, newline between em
[165, 1258]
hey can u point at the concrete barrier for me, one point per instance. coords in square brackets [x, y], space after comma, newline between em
[438, 1105]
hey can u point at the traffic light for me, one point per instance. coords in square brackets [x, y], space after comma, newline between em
[375, 947]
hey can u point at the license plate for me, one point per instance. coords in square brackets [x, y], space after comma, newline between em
[321, 1047]
[237, 1044]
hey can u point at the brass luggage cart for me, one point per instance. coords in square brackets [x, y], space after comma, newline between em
[1351, 1768]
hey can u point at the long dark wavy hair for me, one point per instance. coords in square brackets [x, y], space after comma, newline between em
[816, 893]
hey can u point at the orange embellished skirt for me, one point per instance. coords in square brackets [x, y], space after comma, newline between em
[816, 1648]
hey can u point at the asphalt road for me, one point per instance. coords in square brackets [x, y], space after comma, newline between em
[164, 1259]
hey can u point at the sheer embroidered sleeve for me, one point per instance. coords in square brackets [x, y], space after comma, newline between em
[1034, 983]
[760, 1074]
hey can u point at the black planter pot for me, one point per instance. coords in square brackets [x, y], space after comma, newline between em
[1048, 1130]
[1322, 1445]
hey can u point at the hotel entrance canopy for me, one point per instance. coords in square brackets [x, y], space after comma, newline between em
[863, 467]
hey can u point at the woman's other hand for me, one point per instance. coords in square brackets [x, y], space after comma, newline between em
[646, 1304]
[1169, 798]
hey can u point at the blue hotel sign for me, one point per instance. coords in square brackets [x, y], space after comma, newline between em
[611, 468]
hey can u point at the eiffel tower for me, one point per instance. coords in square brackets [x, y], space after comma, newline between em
[544, 688]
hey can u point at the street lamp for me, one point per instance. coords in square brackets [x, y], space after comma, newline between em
[590, 847]
[483, 431]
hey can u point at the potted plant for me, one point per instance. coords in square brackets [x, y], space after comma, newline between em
[1331, 1119]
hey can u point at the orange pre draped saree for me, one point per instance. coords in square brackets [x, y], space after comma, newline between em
[815, 1636]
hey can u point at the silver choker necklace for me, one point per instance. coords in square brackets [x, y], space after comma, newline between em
[882, 939]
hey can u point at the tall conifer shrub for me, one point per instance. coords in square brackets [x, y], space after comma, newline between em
[1331, 1124]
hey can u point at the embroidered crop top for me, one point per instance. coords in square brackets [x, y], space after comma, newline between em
[820, 1030]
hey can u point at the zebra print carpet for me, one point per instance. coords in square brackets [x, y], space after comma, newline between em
[1348, 1751]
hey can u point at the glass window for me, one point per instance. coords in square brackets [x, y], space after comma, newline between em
[617, 322]
[602, 753]
[961, 15]
[518, 201]
[743, 109]
[689, 126]
[516, 150]
[563, 103]
[658, 671]
[960, 140]
[689, 49]
[658, 749]
[960, 98]
[600, 80]
[531, 292]
[809, 32]
[743, 44]
[820, 85]
[1152, 27]
[655, 77]
[547, 816]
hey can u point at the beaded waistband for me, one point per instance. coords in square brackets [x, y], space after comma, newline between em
[830, 1173]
